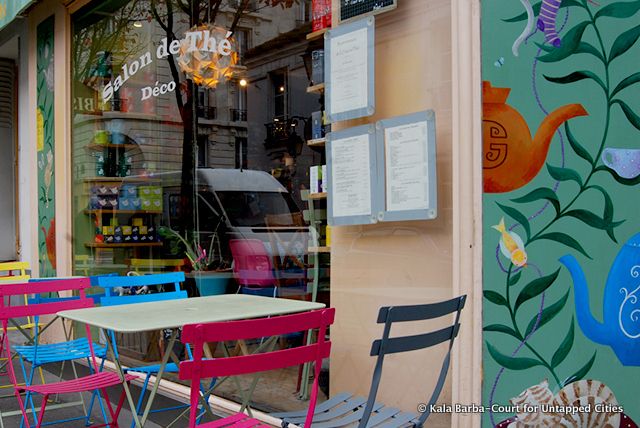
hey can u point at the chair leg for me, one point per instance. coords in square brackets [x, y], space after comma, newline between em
[141, 399]
[111, 412]
[45, 398]
[28, 380]
[95, 394]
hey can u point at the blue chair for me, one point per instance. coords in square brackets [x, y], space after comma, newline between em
[120, 290]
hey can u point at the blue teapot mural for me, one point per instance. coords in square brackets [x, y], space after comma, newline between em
[621, 312]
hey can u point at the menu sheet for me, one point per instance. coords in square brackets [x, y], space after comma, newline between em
[349, 72]
[351, 176]
[407, 171]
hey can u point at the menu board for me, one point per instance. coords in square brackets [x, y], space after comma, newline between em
[349, 70]
[407, 161]
[351, 169]
[350, 9]
[386, 173]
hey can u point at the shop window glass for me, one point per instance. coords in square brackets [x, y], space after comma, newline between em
[153, 151]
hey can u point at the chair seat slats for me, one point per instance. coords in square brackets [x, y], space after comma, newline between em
[224, 421]
[398, 420]
[154, 368]
[81, 384]
[322, 407]
[56, 352]
[382, 415]
[354, 416]
[333, 413]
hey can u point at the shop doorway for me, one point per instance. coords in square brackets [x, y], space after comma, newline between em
[8, 123]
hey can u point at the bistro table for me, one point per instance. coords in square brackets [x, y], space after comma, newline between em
[173, 314]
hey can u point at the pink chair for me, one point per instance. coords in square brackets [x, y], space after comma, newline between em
[198, 368]
[252, 264]
[96, 381]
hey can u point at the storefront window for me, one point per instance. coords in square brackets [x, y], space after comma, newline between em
[161, 149]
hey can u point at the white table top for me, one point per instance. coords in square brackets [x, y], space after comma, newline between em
[176, 313]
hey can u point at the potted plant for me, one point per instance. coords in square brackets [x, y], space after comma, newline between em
[210, 273]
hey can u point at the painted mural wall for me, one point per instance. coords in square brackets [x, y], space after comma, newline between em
[46, 149]
[561, 164]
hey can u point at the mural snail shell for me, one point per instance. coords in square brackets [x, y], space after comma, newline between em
[551, 409]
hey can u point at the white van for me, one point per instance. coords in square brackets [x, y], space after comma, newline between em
[240, 204]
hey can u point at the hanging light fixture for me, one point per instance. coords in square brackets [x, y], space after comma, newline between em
[208, 55]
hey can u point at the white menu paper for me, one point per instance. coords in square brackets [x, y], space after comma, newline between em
[406, 157]
[351, 176]
[348, 72]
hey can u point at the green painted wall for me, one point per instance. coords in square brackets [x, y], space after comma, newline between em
[561, 201]
[46, 148]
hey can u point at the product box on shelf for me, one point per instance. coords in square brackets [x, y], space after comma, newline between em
[323, 179]
[317, 66]
[320, 14]
[100, 165]
[314, 179]
[103, 202]
[151, 203]
[129, 190]
[316, 125]
[104, 190]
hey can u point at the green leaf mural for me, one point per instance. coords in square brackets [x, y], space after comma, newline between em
[535, 288]
[576, 76]
[570, 43]
[511, 362]
[619, 10]
[548, 314]
[537, 195]
[564, 348]
[631, 116]
[46, 147]
[579, 205]
[624, 42]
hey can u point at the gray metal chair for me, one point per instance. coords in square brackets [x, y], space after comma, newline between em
[346, 409]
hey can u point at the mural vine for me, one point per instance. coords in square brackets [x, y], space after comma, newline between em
[591, 169]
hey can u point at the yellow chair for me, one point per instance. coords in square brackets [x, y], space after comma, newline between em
[155, 265]
[12, 273]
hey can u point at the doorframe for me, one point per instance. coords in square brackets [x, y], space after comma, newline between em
[467, 204]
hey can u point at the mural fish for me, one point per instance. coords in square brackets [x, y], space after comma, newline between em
[511, 245]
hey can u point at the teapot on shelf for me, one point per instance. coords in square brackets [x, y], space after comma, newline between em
[511, 158]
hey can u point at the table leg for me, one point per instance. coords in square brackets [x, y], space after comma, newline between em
[163, 364]
[125, 385]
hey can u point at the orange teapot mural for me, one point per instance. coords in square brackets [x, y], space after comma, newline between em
[510, 157]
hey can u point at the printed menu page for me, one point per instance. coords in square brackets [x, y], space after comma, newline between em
[351, 176]
[407, 184]
[348, 73]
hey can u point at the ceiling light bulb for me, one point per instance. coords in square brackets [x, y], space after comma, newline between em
[243, 82]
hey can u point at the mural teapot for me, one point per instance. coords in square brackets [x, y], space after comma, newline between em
[511, 158]
[621, 312]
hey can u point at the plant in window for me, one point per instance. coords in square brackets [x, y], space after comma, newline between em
[201, 258]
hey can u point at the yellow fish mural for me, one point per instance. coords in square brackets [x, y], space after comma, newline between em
[511, 245]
